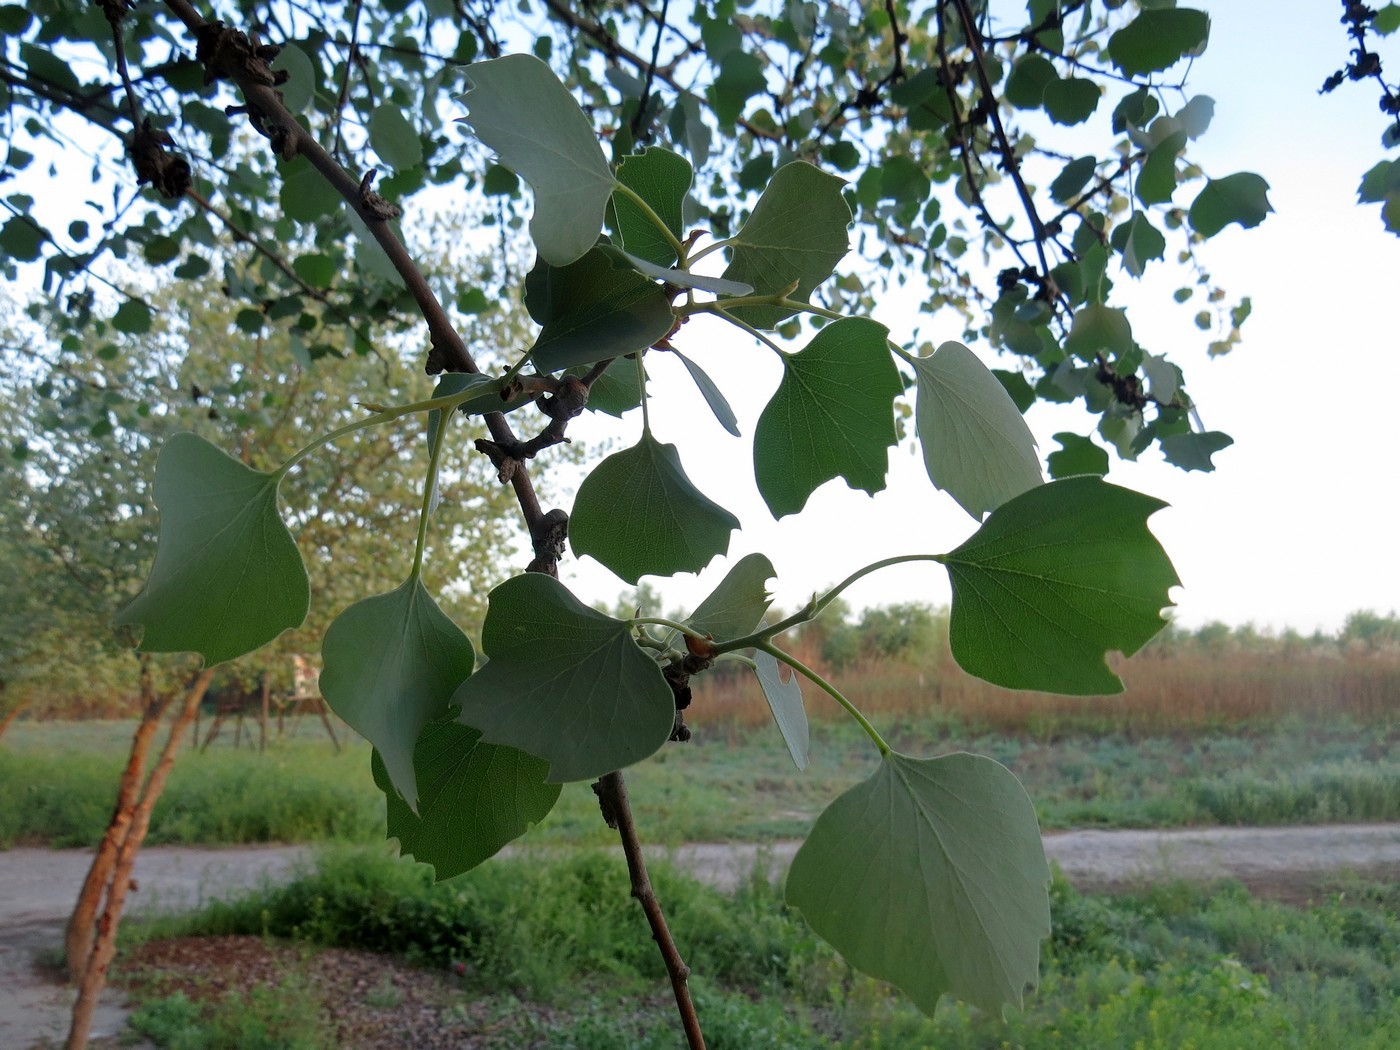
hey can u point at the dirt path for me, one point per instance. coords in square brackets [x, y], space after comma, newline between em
[38, 886]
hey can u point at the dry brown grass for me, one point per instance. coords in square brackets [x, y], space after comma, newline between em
[1167, 690]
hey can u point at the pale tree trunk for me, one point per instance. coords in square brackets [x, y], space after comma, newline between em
[103, 948]
[81, 924]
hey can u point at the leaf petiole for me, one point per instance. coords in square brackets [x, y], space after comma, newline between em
[814, 608]
[429, 490]
[387, 415]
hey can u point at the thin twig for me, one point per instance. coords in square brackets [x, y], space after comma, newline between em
[612, 799]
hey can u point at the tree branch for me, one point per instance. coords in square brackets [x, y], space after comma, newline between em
[612, 799]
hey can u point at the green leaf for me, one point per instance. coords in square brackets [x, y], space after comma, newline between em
[473, 798]
[300, 87]
[977, 446]
[1139, 242]
[1097, 329]
[832, 416]
[391, 664]
[1241, 198]
[520, 110]
[1157, 39]
[740, 78]
[796, 232]
[133, 317]
[639, 515]
[617, 391]
[785, 701]
[315, 269]
[1071, 101]
[227, 577]
[1156, 182]
[22, 239]
[712, 394]
[592, 311]
[1077, 455]
[565, 683]
[1030, 76]
[305, 194]
[1072, 179]
[676, 278]
[737, 605]
[1387, 19]
[394, 138]
[662, 179]
[1193, 451]
[1022, 394]
[931, 875]
[1054, 578]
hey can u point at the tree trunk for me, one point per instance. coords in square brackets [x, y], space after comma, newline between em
[266, 702]
[79, 936]
[99, 960]
[10, 716]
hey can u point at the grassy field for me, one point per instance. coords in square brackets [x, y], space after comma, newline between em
[730, 782]
[556, 955]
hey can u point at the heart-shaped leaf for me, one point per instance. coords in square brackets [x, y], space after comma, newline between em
[390, 666]
[1077, 455]
[931, 875]
[737, 605]
[832, 416]
[473, 798]
[519, 108]
[1242, 198]
[1157, 39]
[662, 179]
[1052, 580]
[977, 446]
[785, 701]
[1193, 451]
[796, 232]
[227, 577]
[639, 515]
[565, 683]
[592, 311]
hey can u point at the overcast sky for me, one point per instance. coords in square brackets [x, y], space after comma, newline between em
[1298, 525]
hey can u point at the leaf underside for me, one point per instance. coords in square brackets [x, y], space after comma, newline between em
[931, 875]
[473, 798]
[785, 702]
[564, 683]
[390, 665]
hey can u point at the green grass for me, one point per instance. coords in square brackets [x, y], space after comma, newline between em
[1178, 966]
[57, 782]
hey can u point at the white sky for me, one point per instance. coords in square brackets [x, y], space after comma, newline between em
[1298, 525]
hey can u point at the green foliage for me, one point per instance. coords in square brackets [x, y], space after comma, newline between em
[565, 683]
[831, 416]
[452, 764]
[1056, 575]
[900, 875]
[795, 235]
[391, 665]
[1053, 579]
[976, 444]
[554, 150]
[785, 701]
[227, 578]
[640, 515]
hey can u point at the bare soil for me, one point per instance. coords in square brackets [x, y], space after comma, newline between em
[38, 886]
